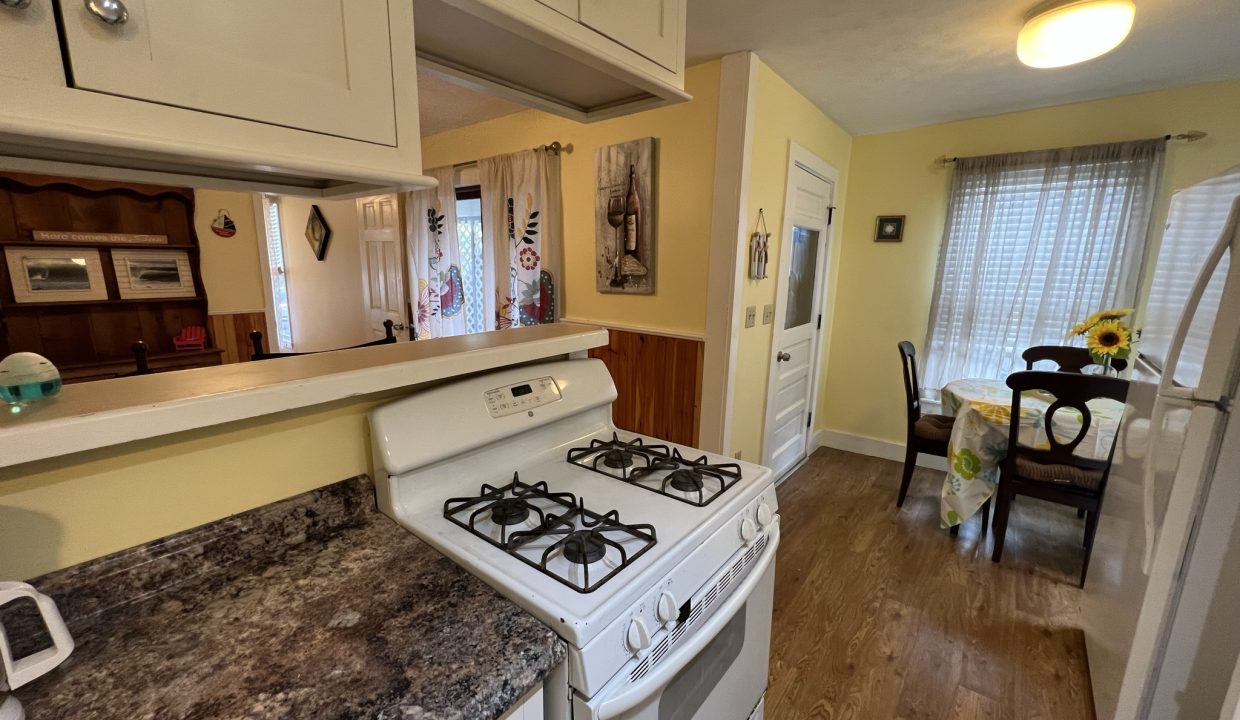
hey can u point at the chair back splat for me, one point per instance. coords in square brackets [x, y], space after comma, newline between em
[256, 339]
[1069, 359]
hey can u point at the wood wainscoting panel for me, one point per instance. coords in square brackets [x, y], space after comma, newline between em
[231, 333]
[659, 381]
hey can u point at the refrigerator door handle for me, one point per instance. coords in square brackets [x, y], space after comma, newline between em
[1166, 383]
[1158, 420]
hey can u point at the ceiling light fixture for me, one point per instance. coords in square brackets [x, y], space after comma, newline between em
[1062, 33]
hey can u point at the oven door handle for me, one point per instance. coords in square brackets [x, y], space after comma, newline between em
[639, 692]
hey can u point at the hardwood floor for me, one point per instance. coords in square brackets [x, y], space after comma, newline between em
[880, 615]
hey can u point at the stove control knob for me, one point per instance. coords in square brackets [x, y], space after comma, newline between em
[665, 609]
[764, 514]
[749, 531]
[637, 638]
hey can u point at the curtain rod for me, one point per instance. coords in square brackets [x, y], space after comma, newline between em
[555, 148]
[1186, 136]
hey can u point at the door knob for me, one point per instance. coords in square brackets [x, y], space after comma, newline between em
[783, 357]
[112, 12]
[15, 4]
[398, 327]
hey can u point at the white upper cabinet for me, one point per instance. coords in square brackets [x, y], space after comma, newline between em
[569, 8]
[318, 65]
[649, 27]
[28, 42]
[586, 60]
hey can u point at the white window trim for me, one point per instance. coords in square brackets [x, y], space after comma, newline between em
[269, 310]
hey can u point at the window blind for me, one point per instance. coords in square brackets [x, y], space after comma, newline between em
[1033, 243]
[1194, 223]
[275, 266]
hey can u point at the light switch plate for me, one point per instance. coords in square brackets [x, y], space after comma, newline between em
[750, 313]
[768, 314]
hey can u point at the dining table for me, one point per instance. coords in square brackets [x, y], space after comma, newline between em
[979, 437]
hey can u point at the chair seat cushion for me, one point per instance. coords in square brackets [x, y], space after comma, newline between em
[934, 427]
[1083, 478]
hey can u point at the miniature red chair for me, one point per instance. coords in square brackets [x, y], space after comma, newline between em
[192, 337]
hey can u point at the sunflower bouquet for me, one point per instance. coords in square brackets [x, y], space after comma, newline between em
[1107, 337]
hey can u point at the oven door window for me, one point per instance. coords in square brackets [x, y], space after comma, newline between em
[689, 689]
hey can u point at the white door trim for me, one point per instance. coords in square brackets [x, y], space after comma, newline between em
[728, 264]
[800, 159]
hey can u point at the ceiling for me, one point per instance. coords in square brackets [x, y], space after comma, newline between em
[444, 105]
[882, 65]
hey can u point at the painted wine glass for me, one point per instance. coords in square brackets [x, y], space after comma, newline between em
[615, 218]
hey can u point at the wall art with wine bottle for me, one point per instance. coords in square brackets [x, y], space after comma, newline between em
[625, 218]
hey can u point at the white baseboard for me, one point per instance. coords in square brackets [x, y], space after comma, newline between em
[871, 446]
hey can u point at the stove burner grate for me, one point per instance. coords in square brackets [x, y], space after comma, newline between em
[658, 468]
[519, 515]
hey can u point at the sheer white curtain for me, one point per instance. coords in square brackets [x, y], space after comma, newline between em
[1033, 243]
[435, 284]
[521, 234]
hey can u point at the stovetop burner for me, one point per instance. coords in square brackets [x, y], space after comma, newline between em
[687, 480]
[618, 458]
[553, 532]
[658, 469]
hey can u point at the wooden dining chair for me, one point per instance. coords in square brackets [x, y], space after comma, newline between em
[925, 433]
[256, 339]
[1056, 473]
[1069, 359]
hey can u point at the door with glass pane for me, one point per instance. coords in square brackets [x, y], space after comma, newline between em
[795, 342]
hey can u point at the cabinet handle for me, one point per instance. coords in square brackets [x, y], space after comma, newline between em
[15, 4]
[112, 12]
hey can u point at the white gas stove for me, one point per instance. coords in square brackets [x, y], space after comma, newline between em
[653, 561]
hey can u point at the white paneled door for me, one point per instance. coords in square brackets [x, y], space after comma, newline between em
[796, 337]
[383, 272]
[318, 65]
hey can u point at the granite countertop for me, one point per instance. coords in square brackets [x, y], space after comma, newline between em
[313, 607]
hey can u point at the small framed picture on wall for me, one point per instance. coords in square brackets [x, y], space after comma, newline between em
[890, 228]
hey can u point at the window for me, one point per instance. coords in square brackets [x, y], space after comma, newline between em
[1033, 243]
[469, 235]
[275, 267]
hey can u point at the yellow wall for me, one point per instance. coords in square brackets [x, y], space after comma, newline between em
[884, 289]
[57, 513]
[781, 115]
[686, 165]
[325, 298]
[231, 267]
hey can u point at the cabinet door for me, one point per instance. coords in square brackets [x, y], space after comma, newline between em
[31, 48]
[318, 65]
[564, 7]
[648, 27]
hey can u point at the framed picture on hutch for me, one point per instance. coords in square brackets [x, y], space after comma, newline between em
[55, 274]
[153, 274]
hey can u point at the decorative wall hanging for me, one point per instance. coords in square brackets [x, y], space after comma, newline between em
[625, 217]
[758, 244]
[55, 275]
[223, 224]
[153, 274]
[890, 228]
[318, 233]
[102, 238]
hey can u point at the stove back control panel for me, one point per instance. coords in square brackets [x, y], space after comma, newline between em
[522, 397]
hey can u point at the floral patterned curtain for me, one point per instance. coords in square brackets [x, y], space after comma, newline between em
[435, 284]
[521, 230]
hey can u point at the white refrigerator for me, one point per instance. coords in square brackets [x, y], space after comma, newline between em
[1161, 608]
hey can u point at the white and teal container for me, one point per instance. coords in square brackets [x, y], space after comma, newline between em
[26, 377]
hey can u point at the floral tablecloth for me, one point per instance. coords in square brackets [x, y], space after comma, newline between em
[978, 445]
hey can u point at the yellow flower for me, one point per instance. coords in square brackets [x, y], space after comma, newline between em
[1109, 337]
[1088, 323]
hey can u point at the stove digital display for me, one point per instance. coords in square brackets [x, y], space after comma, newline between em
[519, 390]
